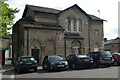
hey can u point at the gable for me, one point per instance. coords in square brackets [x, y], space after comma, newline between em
[75, 10]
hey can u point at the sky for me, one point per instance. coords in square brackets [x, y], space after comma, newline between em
[108, 10]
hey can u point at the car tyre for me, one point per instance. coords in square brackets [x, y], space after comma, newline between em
[115, 63]
[49, 69]
[96, 65]
[18, 70]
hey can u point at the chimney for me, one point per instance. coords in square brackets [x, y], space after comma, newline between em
[105, 39]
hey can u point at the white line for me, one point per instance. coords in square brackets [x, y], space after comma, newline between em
[12, 75]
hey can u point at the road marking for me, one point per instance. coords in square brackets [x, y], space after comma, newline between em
[11, 76]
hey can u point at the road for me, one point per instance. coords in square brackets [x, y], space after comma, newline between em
[110, 72]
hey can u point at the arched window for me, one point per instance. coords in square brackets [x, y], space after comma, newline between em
[79, 25]
[68, 24]
[72, 24]
[75, 25]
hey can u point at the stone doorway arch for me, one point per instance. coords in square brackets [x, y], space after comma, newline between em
[35, 50]
[75, 47]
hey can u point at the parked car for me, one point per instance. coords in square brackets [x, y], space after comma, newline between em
[25, 64]
[103, 58]
[116, 57]
[54, 62]
[79, 61]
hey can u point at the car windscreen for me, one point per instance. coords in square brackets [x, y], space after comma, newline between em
[106, 54]
[116, 54]
[82, 56]
[27, 59]
[55, 58]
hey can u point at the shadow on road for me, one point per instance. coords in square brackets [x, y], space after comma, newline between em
[41, 71]
[8, 72]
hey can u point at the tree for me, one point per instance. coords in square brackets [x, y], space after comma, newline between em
[7, 18]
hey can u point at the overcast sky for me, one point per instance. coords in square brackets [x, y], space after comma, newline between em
[108, 10]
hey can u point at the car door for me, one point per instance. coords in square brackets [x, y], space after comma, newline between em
[45, 62]
[69, 60]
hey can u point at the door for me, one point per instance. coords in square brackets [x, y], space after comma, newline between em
[35, 54]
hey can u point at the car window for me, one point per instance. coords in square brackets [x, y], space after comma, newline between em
[27, 59]
[54, 58]
[106, 54]
[93, 55]
[82, 56]
[69, 57]
[117, 54]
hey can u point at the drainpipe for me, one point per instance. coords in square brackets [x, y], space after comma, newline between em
[89, 34]
[27, 41]
[65, 44]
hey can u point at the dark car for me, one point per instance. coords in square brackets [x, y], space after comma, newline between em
[103, 58]
[116, 57]
[79, 61]
[25, 64]
[54, 62]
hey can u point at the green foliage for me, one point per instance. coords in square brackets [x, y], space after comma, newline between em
[7, 17]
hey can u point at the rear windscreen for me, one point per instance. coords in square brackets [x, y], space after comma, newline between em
[106, 54]
[27, 59]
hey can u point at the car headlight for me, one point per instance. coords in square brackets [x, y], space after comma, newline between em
[66, 63]
[52, 63]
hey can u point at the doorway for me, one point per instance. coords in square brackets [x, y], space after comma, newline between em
[35, 54]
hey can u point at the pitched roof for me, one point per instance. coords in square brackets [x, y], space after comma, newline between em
[56, 11]
[113, 41]
[108, 42]
[75, 5]
[43, 9]
[96, 18]
[116, 41]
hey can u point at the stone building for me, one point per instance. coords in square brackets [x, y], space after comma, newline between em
[45, 31]
[113, 45]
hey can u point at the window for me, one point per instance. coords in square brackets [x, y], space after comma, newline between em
[74, 26]
[79, 25]
[66, 24]
[69, 24]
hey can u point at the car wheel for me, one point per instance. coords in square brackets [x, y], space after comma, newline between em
[96, 65]
[115, 63]
[49, 69]
[73, 66]
[18, 70]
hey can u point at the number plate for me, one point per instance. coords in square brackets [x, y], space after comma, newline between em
[60, 65]
[28, 63]
[86, 59]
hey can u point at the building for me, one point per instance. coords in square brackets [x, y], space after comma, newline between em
[113, 45]
[45, 31]
[5, 49]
